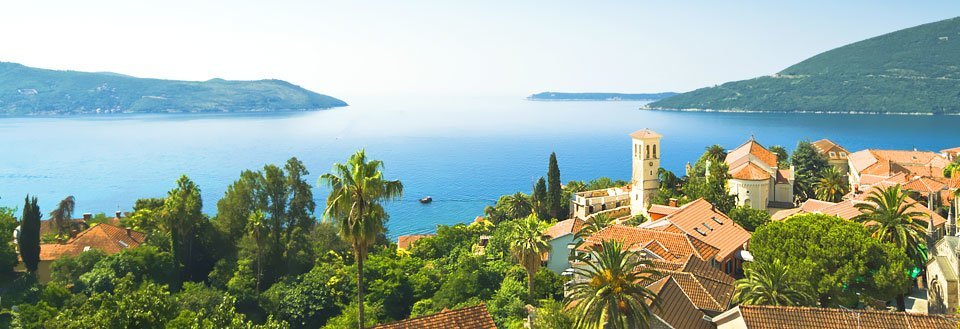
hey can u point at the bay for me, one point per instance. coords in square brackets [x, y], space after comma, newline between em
[462, 151]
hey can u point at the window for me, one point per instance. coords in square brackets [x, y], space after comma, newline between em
[843, 154]
[647, 153]
[654, 151]
[833, 154]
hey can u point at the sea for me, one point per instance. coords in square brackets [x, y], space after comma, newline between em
[464, 152]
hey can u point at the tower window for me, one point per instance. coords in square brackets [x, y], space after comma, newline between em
[654, 151]
[647, 154]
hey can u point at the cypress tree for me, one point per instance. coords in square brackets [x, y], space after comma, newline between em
[809, 166]
[30, 234]
[540, 198]
[553, 188]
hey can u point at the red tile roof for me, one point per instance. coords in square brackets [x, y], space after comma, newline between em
[749, 171]
[105, 237]
[788, 317]
[645, 133]
[891, 162]
[700, 220]
[564, 227]
[825, 146]
[670, 246]
[475, 317]
[707, 287]
[676, 308]
[925, 185]
[406, 241]
[751, 147]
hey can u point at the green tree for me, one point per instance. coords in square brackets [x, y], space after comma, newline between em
[182, 213]
[832, 185]
[711, 185]
[8, 251]
[67, 270]
[527, 245]
[553, 315]
[62, 216]
[539, 199]
[612, 290]
[240, 200]
[309, 300]
[30, 234]
[837, 257]
[771, 284]
[257, 228]
[301, 205]
[748, 218]
[507, 304]
[554, 192]
[603, 182]
[358, 190]
[517, 205]
[808, 164]
[594, 224]
[783, 158]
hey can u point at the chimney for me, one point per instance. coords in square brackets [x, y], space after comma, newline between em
[128, 232]
[87, 216]
[673, 202]
[118, 214]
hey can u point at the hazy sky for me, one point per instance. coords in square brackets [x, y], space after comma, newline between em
[347, 48]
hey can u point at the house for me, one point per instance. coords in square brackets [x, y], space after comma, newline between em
[847, 209]
[587, 203]
[835, 154]
[562, 240]
[951, 153]
[709, 289]
[757, 179]
[474, 317]
[669, 246]
[789, 317]
[701, 220]
[104, 237]
[943, 265]
[889, 163]
[405, 242]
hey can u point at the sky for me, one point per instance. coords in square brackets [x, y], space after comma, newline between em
[444, 47]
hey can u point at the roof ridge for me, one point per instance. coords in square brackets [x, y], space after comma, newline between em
[694, 278]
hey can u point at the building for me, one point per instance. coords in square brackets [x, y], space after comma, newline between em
[474, 317]
[562, 241]
[943, 266]
[668, 246]
[756, 178]
[869, 166]
[104, 237]
[690, 293]
[405, 242]
[645, 180]
[836, 155]
[847, 209]
[790, 317]
[703, 221]
[951, 153]
[587, 203]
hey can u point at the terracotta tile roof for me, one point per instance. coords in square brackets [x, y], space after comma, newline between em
[475, 317]
[786, 317]
[784, 176]
[751, 147]
[406, 241]
[749, 171]
[954, 150]
[677, 246]
[564, 227]
[662, 209]
[645, 133]
[105, 237]
[784, 214]
[890, 162]
[925, 185]
[847, 209]
[47, 226]
[868, 179]
[700, 220]
[707, 287]
[812, 205]
[825, 146]
[676, 308]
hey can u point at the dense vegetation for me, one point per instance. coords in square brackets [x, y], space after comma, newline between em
[30, 91]
[915, 70]
[554, 96]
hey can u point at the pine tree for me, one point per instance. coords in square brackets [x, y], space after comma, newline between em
[554, 190]
[540, 199]
[30, 234]
[809, 166]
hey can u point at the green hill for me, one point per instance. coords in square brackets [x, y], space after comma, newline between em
[30, 91]
[915, 70]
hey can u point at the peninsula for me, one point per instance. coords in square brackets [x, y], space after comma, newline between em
[555, 96]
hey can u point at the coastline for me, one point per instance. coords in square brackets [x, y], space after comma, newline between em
[646, 108]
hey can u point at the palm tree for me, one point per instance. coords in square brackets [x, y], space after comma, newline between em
[610, 288]
[518, 205]
[717, 152]
[593, 225]
[357, 191]
[832, 185]
[528, 244]
[769, 283]
[62, 216]
[257, 226]
[888, 217]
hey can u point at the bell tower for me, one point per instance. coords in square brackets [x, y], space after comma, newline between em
[646, 162]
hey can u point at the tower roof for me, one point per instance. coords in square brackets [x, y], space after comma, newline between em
[645, 134]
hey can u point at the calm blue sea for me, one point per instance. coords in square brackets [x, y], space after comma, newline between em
[465, 152]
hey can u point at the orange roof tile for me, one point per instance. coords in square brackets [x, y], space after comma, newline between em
[825, 146]
[662, 209]
[701, 220]
[564, 227]
[788, 317]
[475, 317]
[645, 133]
[676, 245]
[925, 185]
[890, 162]
[707, 287]
[751, 147]
[784, 176]
[749, 171]
[105, 237]
[406, 241]
[784, 214]
[676, 307]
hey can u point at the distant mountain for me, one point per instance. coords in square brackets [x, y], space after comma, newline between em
[915, 70]
[552, 96]
[31, 91]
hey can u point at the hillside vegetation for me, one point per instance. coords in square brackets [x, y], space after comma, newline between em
[554, 96]
[915, 70]
[30, 91]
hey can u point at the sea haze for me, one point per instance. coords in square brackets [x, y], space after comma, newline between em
[464, 152]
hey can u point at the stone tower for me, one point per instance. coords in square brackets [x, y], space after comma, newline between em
[951, 226]
[646, 163]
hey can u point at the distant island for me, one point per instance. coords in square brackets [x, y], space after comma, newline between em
[911, 71]
[32, 91]
[553, 96]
